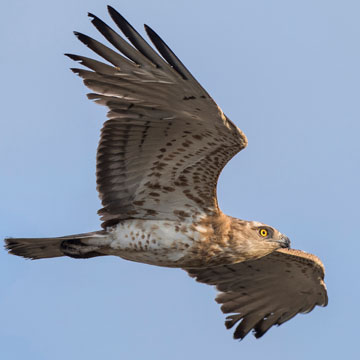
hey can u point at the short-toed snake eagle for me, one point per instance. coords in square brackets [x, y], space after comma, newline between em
[158, 161]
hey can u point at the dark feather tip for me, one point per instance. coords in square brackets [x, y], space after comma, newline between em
[150, 31]
[117, 17]
[259, 334]
[81, 37]
[239, 333]
[73, 56]
[75, 70]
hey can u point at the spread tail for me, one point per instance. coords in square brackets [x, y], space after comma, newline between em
[77, 246]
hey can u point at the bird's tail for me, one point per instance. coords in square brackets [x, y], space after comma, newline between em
[77, 246]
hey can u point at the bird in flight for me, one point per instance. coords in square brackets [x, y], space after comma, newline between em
[158, 161]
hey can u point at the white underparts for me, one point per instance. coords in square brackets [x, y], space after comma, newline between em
[157, 242]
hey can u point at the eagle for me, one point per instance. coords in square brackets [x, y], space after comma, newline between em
[158, 161]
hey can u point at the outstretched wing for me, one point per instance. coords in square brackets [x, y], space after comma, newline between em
[166, 140]
[268, 291]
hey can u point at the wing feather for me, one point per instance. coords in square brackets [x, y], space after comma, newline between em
[105, 52]
[166, 141]
[119, 43]
[169, 56]
[267, 291]
[136, 39]
[92, 64]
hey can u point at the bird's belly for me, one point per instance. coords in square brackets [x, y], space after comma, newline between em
[155, 242]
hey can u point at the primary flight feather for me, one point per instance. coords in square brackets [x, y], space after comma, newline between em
[158, 161]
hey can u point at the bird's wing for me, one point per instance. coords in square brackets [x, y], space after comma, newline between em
[166, 140]
[267, 291]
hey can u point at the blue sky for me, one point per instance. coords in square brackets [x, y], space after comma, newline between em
[286, 72]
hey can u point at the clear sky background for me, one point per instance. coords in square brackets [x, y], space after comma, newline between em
[286, 72]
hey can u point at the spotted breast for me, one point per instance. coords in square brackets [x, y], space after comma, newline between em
[155, 242]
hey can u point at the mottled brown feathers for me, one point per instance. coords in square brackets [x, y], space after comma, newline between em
[268, 291]
[164, 131]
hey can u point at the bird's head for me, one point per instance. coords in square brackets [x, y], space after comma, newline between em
[258, 239]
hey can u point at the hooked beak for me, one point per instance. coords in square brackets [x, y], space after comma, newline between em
[285, 242]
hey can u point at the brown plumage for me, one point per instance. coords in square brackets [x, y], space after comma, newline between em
[159, 158]
[267, 291]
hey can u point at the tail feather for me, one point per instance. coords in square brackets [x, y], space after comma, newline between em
[42, 248]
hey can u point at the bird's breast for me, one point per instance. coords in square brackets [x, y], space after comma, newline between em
[173, 243]
[156, 242]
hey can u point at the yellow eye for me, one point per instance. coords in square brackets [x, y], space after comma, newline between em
[263, 232]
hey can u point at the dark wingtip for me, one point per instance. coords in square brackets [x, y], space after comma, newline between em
[228, 324]
[75, 70]
[258, 334]
[151, 33]
[166, 52]
[239, 333]
[94, 19]
[83, 38]
[80, 36]
[98, 23]
[72, 56]
[238, 336]
[114, 12]
[119, 19]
